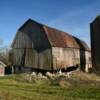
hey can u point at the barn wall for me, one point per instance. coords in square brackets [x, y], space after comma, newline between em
[88, 66]
[45, 60]
[22, 41]
[40, 60]
[65, 57]
[17, 57]
[85, 61]
[32, 58]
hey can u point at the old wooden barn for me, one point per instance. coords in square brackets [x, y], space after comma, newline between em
[39, 47]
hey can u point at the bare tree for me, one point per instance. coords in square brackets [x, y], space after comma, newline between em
[5, 53]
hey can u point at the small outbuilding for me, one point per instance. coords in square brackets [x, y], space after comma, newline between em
[39, 47]
[2, 68]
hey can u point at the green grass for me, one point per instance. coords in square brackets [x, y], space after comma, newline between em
[15, 88]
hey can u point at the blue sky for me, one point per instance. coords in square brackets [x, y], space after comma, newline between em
[72, 16]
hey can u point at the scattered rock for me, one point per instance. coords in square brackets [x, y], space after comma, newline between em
[49, 75]
[40, 75]
[33, 73]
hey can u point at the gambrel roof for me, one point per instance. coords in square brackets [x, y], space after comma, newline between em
[56, 37]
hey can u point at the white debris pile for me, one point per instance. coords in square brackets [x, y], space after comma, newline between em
[58, 74]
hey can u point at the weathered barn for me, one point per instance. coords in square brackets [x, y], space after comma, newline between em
[39, 47]
[2, 68]
[95, 43]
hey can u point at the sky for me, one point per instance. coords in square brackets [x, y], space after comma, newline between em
[72, 16]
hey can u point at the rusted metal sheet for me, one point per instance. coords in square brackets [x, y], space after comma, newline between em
[34, 35]
[60, 39]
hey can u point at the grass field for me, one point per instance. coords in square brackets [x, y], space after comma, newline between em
[13, 87]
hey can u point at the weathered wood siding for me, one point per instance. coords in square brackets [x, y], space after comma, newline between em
[22, 41]
[31, 48]
[31, 36]
[38, 60]
[33, 59]
[45, 60]
[88, 65]
[65, 57]
[17, 57]
[85, 60]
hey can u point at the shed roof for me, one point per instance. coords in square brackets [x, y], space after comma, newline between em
[82, 44]
[3, 64]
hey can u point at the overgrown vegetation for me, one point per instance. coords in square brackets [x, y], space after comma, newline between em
[5, 55]
[79, 86]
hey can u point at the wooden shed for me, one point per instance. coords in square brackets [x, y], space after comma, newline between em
[2, 68]
[39, 47]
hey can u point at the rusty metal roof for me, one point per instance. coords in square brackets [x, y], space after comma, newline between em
[82, 44]
[58, 38]
[85, 46]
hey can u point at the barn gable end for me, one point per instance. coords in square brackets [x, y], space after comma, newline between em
[31, 35]
[31, 47]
